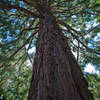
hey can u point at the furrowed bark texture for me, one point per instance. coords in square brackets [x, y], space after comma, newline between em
[56, 75]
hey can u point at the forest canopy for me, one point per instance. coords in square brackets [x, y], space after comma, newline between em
[79, 21]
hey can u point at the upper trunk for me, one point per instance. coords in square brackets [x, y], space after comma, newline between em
[56, 75]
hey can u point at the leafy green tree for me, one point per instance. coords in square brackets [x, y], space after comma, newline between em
[60, 27]
[94, 84]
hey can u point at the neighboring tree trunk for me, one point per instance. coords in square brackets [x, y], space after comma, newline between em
[56, 74]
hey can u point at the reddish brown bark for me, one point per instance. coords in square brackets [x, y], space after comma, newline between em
[56, 74]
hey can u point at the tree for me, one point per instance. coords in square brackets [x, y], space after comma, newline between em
[56, 74]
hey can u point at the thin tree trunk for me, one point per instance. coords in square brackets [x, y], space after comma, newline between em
[56, 74]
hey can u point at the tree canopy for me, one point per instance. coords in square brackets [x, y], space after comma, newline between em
[19, 25]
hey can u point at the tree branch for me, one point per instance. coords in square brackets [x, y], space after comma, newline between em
[29, 58]
[93, 28]
[69, 27]
[78, 51]
[19, 59]
[77, 38]
[19, 49]
[20, 9]
[37, 7]
[27, 29]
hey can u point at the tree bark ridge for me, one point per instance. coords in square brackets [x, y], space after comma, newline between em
[56, 74]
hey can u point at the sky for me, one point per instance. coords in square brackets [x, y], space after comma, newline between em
[91, 69]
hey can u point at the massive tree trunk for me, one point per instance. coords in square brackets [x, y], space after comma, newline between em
[56, 74]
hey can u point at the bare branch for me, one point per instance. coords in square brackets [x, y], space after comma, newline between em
[93, 28]
[82, 51]
[29, 58]
[78, 49]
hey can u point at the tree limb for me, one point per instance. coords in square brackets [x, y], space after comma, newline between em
[69, 27]
[78, 51]
[77, 38]
[37, 7]
[19, 49]
[20, 9]
[27, 29]
[19, 59]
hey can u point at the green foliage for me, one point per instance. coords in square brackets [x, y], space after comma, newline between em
[94, 85]
[14, 82]
[16, 26]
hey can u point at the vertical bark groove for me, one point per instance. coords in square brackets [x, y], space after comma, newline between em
[56, 75]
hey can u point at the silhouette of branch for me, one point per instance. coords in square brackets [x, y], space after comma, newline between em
[78, 51]
[20, 9]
